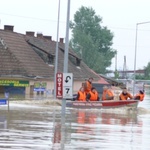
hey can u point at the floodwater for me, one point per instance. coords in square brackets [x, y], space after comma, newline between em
[26, 127]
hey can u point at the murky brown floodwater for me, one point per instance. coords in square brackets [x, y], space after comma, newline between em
[41, 128]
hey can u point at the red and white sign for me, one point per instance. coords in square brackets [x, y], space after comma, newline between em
[59, 85]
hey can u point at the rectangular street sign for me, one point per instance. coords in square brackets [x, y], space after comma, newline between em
[59, 85]
[17, 83]
[67, 85]
[67, 79]
[3, 101]
[67, 92]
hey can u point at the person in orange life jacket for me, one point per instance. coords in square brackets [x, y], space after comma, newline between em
[81, 96]
[125, 95]
[140, 96]
[88, 85]
[107, 94]
[92, 95]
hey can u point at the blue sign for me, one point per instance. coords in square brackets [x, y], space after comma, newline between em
[39, 89]
[3, 101]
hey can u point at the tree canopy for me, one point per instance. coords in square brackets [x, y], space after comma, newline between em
[91, 41]
[147, 71]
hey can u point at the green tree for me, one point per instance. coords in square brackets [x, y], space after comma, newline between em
[91, 41]
[116, 74]
[147, 71]
[139, 77]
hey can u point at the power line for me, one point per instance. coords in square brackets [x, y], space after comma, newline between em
[123, 28]
[27, 17]
[49, 20]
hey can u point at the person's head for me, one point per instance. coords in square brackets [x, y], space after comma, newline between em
[82, 89]
[93, 89]
[90, 79]
[141, 92]
[124, 90]
[105, 87]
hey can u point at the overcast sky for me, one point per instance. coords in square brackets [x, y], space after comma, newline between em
[120, 16]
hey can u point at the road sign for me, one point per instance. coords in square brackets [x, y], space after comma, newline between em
[67, 92]
[59, 85]
[67, 79]
[67, 85]
[3, 101]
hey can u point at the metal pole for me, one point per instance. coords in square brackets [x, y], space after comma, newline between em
[116, 62]
[67, 40]
[66, 53]
[56, 52]
[8, 103]
[135, 58]
[140, 23]
[63, 110]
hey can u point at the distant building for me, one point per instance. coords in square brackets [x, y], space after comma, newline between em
[126, 74]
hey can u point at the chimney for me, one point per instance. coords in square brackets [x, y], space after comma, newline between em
[29, 33]
[61, 40]
[48, 37]
[8, 28]
[39, 35]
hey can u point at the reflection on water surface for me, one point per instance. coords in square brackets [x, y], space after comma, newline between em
[41, 128]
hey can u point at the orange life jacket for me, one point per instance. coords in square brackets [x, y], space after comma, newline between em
[140, 97]
[94, 96]
[106, 94]
[125, 96]
[87, 86]
[82, 96]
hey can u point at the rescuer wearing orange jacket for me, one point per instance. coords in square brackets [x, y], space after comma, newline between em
[125, 95]
[88, 85]
[140, 96]
[81, 96]
[107, 94]
[92, 95]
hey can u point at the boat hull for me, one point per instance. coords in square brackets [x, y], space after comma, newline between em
[102, 104]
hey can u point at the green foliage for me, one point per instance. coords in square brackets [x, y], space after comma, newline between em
[139, 77]
[147, 71]
[116, 73]
[91, 41]
[146, 75]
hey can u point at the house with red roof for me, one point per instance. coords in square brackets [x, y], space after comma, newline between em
[27, 63]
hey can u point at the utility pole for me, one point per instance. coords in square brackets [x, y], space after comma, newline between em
[56, 52]
[66, 53]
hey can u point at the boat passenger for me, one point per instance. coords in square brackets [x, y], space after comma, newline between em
[107, 94]
[140, 96]
[81, 96]
[125, 95]
[92, 95]
[88, 85]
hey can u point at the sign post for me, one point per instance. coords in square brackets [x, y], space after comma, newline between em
[65, 70]
[7, 98]
[66, 53]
